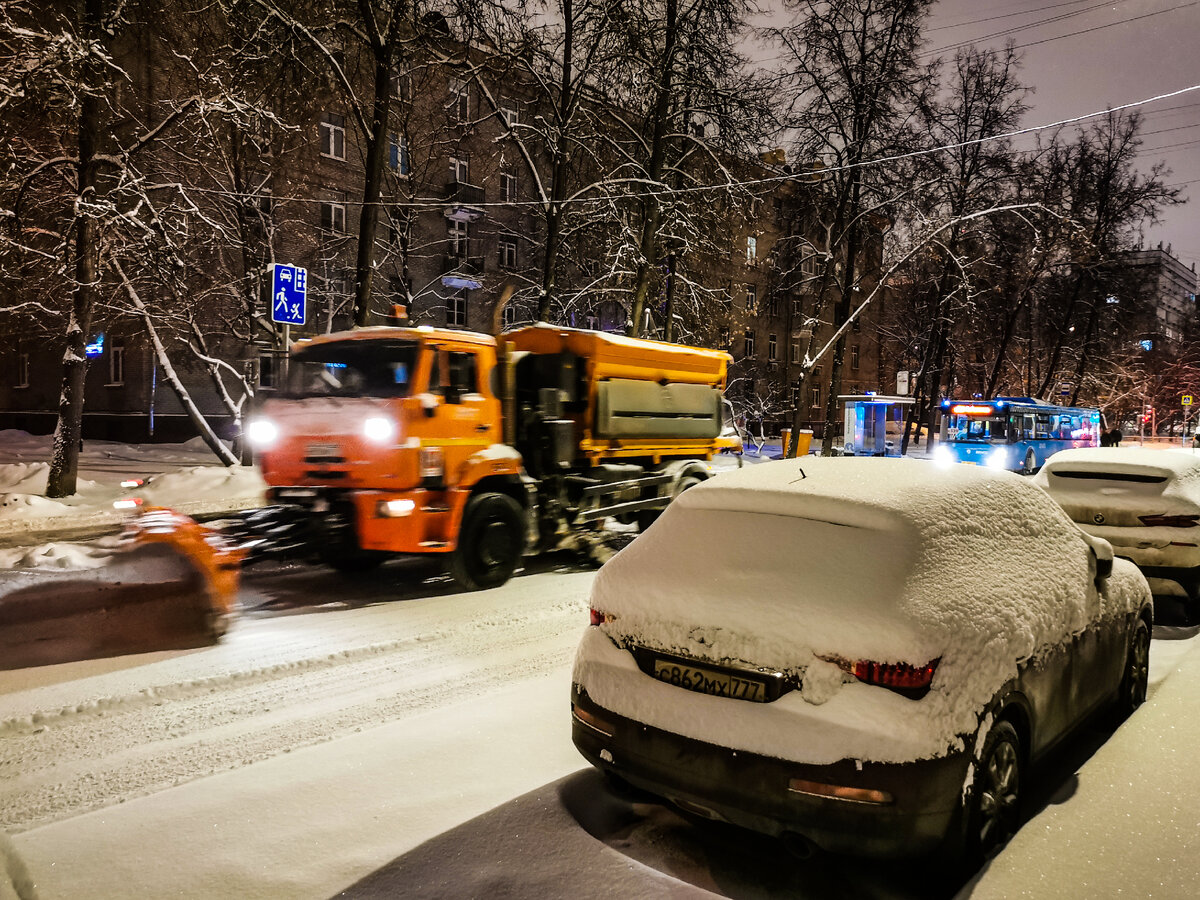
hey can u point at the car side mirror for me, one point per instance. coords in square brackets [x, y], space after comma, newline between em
[1102, 552]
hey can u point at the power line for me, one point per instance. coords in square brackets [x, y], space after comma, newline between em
[434, 202]
[1024, 12]
[1109, 25]
[1062, 17]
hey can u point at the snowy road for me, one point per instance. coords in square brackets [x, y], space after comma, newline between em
[382, 731]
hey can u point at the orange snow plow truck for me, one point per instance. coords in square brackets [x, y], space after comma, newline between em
[387, 441]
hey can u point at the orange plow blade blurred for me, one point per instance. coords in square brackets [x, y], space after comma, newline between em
[171, 585]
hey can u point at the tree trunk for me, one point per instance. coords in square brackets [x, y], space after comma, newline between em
[185, 400]
[651, 206]
[64, 465]
[368, 218]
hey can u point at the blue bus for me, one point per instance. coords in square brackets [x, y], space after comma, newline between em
[1015, 433]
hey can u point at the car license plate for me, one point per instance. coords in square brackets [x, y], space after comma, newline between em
[969, 462]
[322, 450]
[707, 681]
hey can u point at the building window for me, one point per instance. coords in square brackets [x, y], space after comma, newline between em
[333, 136]
[773, 305]
[816, 372]
[508, 253]
[794, 397]
[22, 371]
[854, 356]
[751, 251]
[460, 100]
[508, 187]
[460, 170]
[855, 324]
[508, 316]
[398, 153]
[808, 263]
[814, 397]
[458, 237]
[751, 299]
[749, 344]
[333, 215]
[772, 347]
[456, 311]
[509, 113]
[116, 364]
[591, 323]
[795, 353]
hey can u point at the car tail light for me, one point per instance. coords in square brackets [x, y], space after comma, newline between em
[1188, 521]
[592, 721]
[600, 618]
[838, 791]
[899, 676]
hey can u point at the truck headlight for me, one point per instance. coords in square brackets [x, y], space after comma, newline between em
[262, 433]
[379, 429]
[998, 458]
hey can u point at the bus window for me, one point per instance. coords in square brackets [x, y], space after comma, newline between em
[1027, 429]
[1042, 429]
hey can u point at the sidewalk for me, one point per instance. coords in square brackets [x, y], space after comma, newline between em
[186, 477]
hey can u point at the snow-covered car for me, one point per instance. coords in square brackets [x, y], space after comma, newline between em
[858, 654]
[1143, 501]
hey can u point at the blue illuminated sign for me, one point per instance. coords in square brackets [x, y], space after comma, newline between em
[95, 347]
[289, 294]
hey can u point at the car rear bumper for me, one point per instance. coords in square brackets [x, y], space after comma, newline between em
[754, 791]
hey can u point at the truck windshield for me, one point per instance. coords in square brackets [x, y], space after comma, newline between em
[361, 368]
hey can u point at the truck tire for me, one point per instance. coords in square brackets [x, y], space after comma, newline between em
[491, 542]
[648, 517]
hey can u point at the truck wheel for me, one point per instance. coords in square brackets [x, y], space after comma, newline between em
[648, 517]
[490, 542]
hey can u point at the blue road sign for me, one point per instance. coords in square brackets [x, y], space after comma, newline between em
[289, 294]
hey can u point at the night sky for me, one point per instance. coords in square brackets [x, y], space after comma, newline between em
[1085, 56]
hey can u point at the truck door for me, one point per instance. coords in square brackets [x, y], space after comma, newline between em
[469, 420]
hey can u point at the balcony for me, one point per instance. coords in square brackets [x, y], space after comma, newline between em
[464, 201]
[462, 265]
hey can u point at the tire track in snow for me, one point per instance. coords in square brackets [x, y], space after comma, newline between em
[62, 762]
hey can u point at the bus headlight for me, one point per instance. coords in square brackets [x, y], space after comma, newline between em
[261, 433]
[379, 429]
[998, 458]
[943, 455]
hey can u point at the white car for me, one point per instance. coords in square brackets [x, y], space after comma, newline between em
[861, 655]
[1145, 502]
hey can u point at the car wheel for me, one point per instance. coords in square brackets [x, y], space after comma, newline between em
[994, 811]
[1137, 672]
[490, 542]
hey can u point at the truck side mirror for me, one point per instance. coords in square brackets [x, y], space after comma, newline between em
[429, 403]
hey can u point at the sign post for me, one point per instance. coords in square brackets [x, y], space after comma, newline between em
[289, 297]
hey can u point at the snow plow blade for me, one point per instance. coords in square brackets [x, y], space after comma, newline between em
[171, 586]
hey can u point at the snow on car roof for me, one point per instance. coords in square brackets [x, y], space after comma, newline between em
[1174, 463]
[889, 560]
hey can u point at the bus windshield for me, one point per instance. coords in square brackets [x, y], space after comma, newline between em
[976, 428]
[374, 368]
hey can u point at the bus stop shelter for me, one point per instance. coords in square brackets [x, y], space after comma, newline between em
[866, 421]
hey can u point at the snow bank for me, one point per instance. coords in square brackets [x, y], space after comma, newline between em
[798, 565]
[89, 555]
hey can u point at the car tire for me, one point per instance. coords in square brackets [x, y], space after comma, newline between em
[993, 810]
[491, 542]
[1136, 675]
